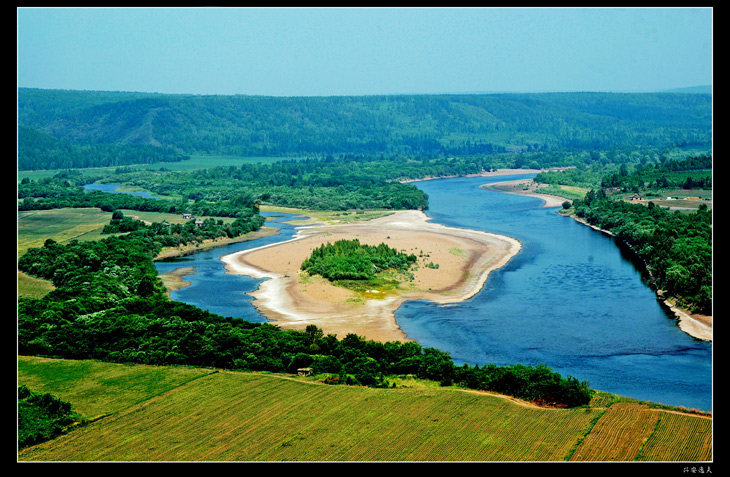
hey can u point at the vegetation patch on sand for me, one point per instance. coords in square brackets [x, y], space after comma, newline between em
[362, 268]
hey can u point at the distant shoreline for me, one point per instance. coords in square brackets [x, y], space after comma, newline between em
[695, 325]
[498, 172]
[513, 187]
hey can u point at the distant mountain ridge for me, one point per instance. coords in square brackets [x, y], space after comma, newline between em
[397, 124]
[705, 89]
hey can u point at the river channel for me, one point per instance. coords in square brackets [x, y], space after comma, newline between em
[571, 299]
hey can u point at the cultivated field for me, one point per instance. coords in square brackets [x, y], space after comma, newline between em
[186, 414]
[61, 225]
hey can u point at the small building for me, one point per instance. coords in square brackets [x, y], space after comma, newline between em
[188, 216]
[304, 371]
[636, 197]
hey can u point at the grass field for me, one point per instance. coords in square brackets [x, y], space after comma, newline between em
[188, 414]
[61, 225]
[193, 164]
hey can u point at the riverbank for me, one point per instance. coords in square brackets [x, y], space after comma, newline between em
[209, 244]
[292, 299]
[498, 172]
[695, 325]
[526, 187]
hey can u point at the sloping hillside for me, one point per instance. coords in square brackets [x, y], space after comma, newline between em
[405, 124]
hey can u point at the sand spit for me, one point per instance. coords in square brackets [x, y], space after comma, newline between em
[526, 187]
[293, 300]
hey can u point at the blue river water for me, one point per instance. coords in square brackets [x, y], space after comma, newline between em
[570, 299]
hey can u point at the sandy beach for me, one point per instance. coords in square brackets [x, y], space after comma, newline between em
[526, 187]
[293, 300]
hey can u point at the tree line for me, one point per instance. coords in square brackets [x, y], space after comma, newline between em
[694, 172]
[42, 417]
[65, 190]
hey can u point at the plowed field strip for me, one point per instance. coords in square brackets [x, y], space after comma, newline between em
[626, 432]
[680, 437]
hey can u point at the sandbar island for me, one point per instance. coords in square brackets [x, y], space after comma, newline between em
[292, 299]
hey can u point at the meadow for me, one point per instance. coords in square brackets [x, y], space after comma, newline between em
[148, 413]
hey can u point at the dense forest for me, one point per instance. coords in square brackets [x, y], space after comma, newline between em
[692, 172]
[411, 125]
[39, 150]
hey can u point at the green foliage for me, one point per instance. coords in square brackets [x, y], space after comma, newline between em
[38, 150]
[350, 260]
[636, 173]
[445, 125]
[41, 417]
[690, 173]
[65, 190]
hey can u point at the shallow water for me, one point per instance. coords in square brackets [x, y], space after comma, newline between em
[569, 299]
[212, 288]
[112, 189]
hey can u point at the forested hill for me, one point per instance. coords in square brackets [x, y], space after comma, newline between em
[399, 124]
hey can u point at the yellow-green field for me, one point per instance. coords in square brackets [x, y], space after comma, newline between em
[188, 414]
[193, 164]
[61, 225]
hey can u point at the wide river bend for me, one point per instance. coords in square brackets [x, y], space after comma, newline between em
[571, 299]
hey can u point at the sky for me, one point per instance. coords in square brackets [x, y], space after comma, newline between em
[363, 51]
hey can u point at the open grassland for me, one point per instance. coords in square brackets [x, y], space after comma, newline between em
[33, 287]
[193, 164]
[98, 389]
[331, 217]
[184, 414]
[61, 225]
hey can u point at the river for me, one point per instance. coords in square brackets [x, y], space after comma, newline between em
[570, 299]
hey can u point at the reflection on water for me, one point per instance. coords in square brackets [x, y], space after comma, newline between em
[570, 299]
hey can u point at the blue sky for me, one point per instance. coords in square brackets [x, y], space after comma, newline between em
[363, 51]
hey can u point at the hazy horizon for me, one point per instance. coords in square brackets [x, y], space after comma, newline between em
[364, 51]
